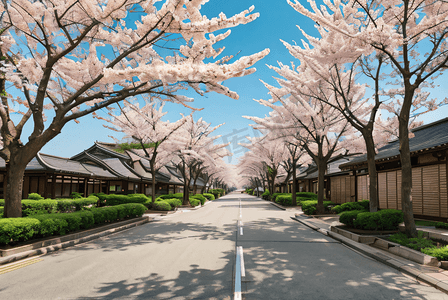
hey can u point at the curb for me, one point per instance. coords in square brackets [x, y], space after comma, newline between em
[69, 243]
[277, 205]
[381, 257]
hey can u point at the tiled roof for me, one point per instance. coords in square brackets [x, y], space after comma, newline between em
[118, 167]
[33, 165]
[425, 137]
[66, 165]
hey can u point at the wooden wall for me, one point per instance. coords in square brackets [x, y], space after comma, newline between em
[342, 189]
[429, 190]
[363, 187]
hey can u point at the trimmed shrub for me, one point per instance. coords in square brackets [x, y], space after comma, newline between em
[35, 196]
[194, 202]
[351, 206]
[162, 205]
[100, 196]
[442, 225]
[307, 195]
[2, 210]
[22, 229]
[33, 207]
[274, 196]
[110, 213]
[76, 195]
[348, 217]
[134, 209]
[114, 199]
[219, 192]
[173, 202]
[69, 205]
[209, 196]
[2, 202]
[17, 229]
[387, 219]
[51, 225]
[200, 198]
[171, 196]
[265, 195]
[99, 215]
[309, 207]
[285, 200]
[440, 253]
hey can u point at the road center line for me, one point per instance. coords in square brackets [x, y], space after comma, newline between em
[237, 294]
[243, 270]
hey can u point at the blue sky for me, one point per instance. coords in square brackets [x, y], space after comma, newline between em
[277, 21]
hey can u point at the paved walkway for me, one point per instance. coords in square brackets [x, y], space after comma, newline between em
[433, 276]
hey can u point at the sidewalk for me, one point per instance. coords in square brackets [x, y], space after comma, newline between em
[433, 276]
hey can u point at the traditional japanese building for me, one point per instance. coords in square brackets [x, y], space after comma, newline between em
[428, 148]
[97, 169]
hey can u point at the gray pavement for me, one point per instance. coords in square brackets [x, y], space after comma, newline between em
[191, 255]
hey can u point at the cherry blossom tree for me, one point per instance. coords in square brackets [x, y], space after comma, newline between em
[146, 127]
[318, 127]
[73, 58]
[252, 170]
[195, 150]
[413, 36]
[270, 153]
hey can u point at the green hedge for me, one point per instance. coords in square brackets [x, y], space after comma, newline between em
[275, 195]
[17, 229]
[361, 205]
[209, 196]
[22, 229]
[200, 198]
[69, 205]
[171, 196]
[442, 225]
[387, 219]
[348, 217]
[35, 196]
[307, 195]
[219, 192]
[440, 253]
[33, 207]
[173, 202]
[114, 199]
[265, 195]
[162, 205]
[309, 207]
[194, 202]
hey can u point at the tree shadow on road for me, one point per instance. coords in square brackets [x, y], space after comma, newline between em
[284, 260]
[294, 262]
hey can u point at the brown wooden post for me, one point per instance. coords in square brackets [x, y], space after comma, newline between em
[53, 186]
[86, 187]
[71, 184]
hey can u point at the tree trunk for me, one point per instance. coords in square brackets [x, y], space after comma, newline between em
[406, 177]
[321, 167]
[13, 190]
[294, 192]
[153, 185]
[186, 199]
[373, 185]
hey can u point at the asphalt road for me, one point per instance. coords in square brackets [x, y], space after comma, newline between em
[192, 255]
